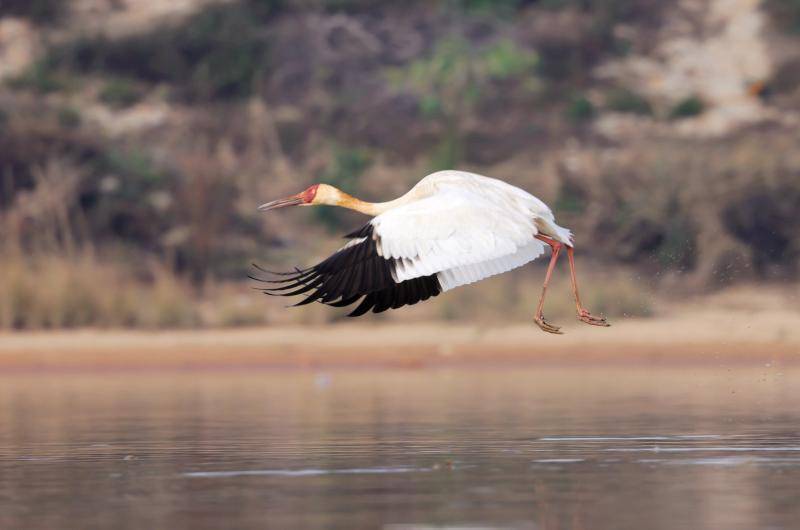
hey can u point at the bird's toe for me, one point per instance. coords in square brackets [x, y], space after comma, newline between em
[544, 325]
[588, 318]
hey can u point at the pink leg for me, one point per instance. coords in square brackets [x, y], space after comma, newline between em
[583, 314]
[539, 317]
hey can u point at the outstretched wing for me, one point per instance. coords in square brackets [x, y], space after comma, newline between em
[418, 250]
[354, 272]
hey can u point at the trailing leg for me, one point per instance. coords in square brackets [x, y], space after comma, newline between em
[539, 317]
[583, 314]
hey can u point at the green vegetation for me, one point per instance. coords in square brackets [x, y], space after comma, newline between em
[41, 78]
[120, 93]
[455, 73]
[502, 8]
[219, 53]
[623, 100]
[580, 109]
[452, 80]
[504, 60]
[687, 108]
[69, 117]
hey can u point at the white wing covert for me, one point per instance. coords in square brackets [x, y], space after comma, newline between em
[459, 235]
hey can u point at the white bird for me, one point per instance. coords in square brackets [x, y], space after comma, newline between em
[452, 228]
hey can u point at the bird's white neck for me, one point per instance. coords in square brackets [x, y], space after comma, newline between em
[372, 208]
[335, 197]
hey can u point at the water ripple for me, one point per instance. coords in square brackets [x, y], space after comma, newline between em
[627, 438]
[305, 472]
[660, 449]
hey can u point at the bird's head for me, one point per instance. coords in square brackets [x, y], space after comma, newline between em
[313, 195]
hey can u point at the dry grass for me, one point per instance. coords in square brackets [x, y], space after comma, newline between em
[514, 297]
[615, 295]
[54, 292]
[47, 291]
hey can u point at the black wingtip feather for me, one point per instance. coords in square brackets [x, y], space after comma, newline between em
[355, 273]
[295, 271]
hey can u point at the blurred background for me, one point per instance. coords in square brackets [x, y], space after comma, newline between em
[137, 138]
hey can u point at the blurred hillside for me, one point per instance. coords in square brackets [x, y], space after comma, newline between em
[138, 136]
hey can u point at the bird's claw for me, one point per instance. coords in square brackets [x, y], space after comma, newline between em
[585, 316]
[546, 326]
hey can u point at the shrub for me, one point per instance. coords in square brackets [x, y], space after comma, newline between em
[491, 7]
[217, 54]
[505, 59]
[69, 117]
[451, 80]
[763, 217]
[580, 109]
[120, 93]
[623, 100]
[41, 77]
[687, 108]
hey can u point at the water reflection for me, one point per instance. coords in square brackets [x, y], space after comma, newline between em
[522, 448]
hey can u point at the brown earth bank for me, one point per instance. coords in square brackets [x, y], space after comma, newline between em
[713, 338]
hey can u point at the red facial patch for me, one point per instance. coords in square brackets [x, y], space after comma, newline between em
[309, 194]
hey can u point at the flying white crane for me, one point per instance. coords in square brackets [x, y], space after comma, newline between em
[453, 228]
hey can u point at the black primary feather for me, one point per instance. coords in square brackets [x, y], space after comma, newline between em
[356, 272]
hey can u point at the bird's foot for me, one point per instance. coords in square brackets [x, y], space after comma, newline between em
[546, 326]
[585, 316]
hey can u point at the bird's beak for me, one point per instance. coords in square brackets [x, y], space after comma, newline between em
[294, 200]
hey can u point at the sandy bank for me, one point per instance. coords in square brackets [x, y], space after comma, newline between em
[697, 337]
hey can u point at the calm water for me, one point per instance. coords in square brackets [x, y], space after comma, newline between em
[548, 448]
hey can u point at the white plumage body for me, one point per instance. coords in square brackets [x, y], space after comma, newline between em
[463, 227]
